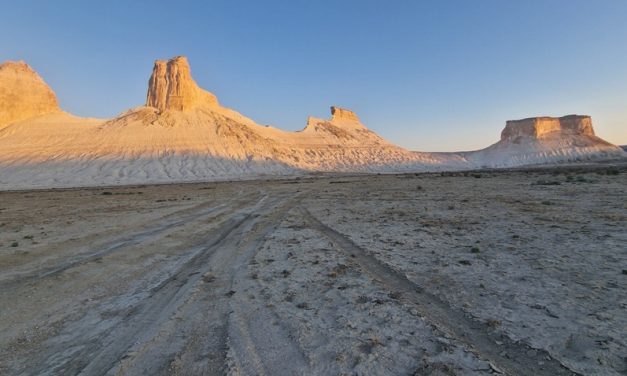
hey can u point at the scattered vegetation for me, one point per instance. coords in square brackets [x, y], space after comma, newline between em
[208, 278]
[395, 295]
[609, 171]
[493, 323]
[339, 269]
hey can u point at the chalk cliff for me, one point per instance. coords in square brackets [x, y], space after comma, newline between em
[541, 140]
[539, 127]
[171, 87]
[183, 133]
[23, 94]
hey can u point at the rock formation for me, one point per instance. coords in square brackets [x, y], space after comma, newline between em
[338, 113]
[171, 87]
[539, 127]
[23, 94]
[183, 134]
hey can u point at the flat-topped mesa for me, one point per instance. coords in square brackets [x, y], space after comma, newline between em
[338, 113]
[171, 87]
[23, 93]
[539, 127]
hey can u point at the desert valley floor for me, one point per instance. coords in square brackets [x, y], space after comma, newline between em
[518, 272]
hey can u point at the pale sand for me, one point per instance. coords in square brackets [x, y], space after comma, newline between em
[432, 274]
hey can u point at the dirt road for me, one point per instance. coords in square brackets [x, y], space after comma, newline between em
[309, 276]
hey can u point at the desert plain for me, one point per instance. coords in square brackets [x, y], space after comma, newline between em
[514, 271]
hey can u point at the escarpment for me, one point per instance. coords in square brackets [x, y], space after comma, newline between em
[23, 93]
[539, 127]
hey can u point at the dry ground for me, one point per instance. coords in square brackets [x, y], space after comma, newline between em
[501, 272]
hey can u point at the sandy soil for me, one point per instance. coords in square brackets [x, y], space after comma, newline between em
[492, 272]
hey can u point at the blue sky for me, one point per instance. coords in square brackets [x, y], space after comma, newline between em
[436, 75]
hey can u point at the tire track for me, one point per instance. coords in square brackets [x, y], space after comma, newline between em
[112, 246]
[211, 301]
[505, 355]
[258, 343]
[97, 350]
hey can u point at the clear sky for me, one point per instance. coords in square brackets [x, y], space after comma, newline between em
[436, 75]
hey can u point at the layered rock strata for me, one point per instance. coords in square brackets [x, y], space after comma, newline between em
[539, 127]
[23, 94]
[171, 87]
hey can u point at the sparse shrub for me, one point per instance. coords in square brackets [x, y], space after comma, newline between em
[15, 244]
[547, 182]
[464, 262]
[609, 171]
[474, 250]
[395, 295]
[106, 193]
[289, 297]
[338, 270]
[493, 323]
[208, 278]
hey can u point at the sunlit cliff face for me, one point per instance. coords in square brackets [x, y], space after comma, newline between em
[540, 126]
[184, 134]
[23, 94]
[171, 87]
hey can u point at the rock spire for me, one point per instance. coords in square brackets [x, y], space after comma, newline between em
[171, 87]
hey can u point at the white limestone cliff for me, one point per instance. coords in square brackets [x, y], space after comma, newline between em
[184, 134]
[541, 140]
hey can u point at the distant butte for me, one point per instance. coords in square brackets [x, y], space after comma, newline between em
[182, 133]
[538, 127]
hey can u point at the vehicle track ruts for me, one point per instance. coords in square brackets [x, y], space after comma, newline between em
[93, 352]
[115, 245]
[206, 313]
[258, 343]
[505, 355]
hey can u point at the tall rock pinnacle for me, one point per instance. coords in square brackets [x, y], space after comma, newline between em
[171, 87]
[23, 94]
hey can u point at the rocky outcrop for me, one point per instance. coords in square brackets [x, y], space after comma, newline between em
[171, 87]
[23, 94]
[539, 127]
[338, 113]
